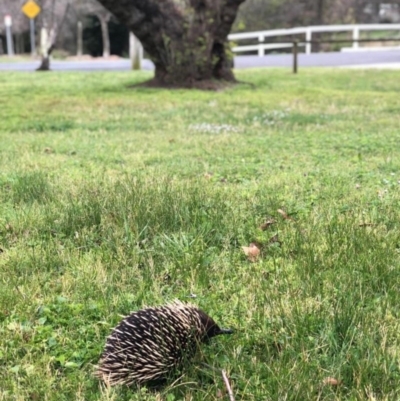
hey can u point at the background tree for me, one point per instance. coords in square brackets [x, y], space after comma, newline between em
[186, 39]
[50, 21]
[270, 14]
[93, 7]
[252, 15]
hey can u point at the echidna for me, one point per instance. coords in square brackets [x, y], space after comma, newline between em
[152, 343]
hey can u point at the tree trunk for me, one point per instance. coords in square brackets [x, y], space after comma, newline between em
[47, 43]
[376, 7]
[105, 35]
[79, 46]
[320, 12]
[17, 44]
[319, 20]
[21, 43]
[186, 40]
[49, 31]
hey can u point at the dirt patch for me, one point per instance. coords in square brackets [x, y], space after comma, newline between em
[208, 85]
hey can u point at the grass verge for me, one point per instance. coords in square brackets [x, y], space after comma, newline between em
[112, 198]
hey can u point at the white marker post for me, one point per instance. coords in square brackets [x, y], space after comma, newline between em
[136, 52]
[10, 45]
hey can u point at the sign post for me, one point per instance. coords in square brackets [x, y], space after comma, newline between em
[32, 30]
[31, 10]
[10, 45]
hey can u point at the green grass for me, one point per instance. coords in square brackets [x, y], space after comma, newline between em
[113, 198]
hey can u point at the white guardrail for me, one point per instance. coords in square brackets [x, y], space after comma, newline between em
[307, 31]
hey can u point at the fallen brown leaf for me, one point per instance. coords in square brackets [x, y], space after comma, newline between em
[268, 223]
[330, 381]
[284, 215]
[252, 252]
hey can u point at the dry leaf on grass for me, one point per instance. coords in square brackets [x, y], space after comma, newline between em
[252, 252]
[268, 223]
[330, 381]
[285, 215]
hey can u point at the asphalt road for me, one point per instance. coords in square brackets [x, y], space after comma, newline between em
[380, 58]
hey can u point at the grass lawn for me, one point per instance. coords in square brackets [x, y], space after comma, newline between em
[113, 198]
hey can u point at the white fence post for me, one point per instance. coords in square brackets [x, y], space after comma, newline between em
[356, 36]
[308, 38]
[261, 52]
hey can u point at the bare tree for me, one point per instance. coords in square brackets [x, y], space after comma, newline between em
[50, 20]
[186, 39]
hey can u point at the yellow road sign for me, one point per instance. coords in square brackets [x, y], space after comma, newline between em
[31, 9]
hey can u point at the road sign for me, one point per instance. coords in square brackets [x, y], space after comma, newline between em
[31, 9]
[7, 20]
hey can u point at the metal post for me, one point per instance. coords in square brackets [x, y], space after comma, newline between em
[295, 53]
[136, 52]
[32, 29]
[10, 44]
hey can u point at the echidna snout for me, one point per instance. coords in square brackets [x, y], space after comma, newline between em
[150, 344]
[211, 329]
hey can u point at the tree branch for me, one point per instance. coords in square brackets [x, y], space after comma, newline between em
[149, 20]
[228, 12]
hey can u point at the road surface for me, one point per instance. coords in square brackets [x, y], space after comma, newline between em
[379, 59]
